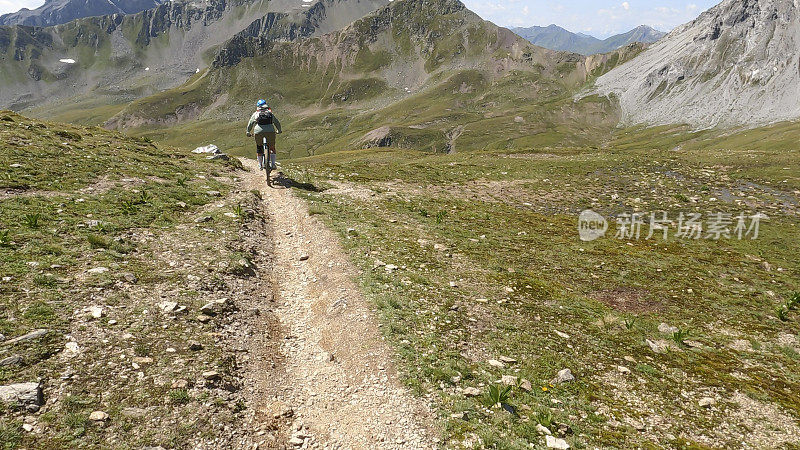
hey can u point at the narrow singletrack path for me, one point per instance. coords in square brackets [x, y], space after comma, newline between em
[338, 375]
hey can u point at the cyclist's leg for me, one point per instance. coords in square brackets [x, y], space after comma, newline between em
[272, 152]
[260, 152]
[261, 158]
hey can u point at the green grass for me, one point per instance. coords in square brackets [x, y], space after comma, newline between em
[508, 223]
[87, 198]
[179, 396]
[10, 434]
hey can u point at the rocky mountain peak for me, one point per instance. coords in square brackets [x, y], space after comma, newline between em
[737, 63]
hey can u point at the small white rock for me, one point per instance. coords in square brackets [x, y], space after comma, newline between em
[509, 380]
[96, 312]
[667, 329]
[71, 349]
[98, 416]
[168, 306]
[707, 402]
[472, 392]
[554, 442]
[563, 376]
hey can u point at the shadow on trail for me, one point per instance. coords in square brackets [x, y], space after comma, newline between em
[287, 183]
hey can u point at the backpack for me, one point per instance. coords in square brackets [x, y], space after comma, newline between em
[264, 118]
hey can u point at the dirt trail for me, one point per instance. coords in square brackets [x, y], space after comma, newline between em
[338, 375]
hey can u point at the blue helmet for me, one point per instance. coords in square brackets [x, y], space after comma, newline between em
[261, 103]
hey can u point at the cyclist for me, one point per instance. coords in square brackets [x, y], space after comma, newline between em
[264, 126]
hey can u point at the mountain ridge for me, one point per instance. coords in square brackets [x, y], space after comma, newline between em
[57, 12]
[424, 73]
[555, 37]
[168, 67]
[131, 56]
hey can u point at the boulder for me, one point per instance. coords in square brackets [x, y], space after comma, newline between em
[133, 413]
[212, 375]
[23, 394]
[659, 346]
[210, 309]
[96, 312]
[168, 306]
[667, 329]
[130, 277]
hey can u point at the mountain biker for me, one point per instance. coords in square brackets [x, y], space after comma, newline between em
[264, 126]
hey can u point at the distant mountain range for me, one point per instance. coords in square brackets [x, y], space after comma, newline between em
[554, 37]
[415, 73]
[423, 74]
[56, 12]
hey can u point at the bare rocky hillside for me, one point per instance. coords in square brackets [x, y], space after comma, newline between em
[736, 64]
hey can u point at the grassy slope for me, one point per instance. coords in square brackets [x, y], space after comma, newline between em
[507, 222]
[330, 96]
[488, 114]
[73, 199]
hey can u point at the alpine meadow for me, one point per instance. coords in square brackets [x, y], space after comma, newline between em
[445, 234]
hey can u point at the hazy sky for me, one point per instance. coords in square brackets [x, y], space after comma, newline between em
[16, 5]
[601, 18]
[7, 6]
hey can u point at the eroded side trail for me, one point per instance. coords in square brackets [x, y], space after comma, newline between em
[338, 378]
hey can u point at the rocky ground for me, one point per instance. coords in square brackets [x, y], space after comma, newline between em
[157, 354]
[336, 378]
[184, 307]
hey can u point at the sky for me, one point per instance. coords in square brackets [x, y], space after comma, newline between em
[601, 18]
[7, 6]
